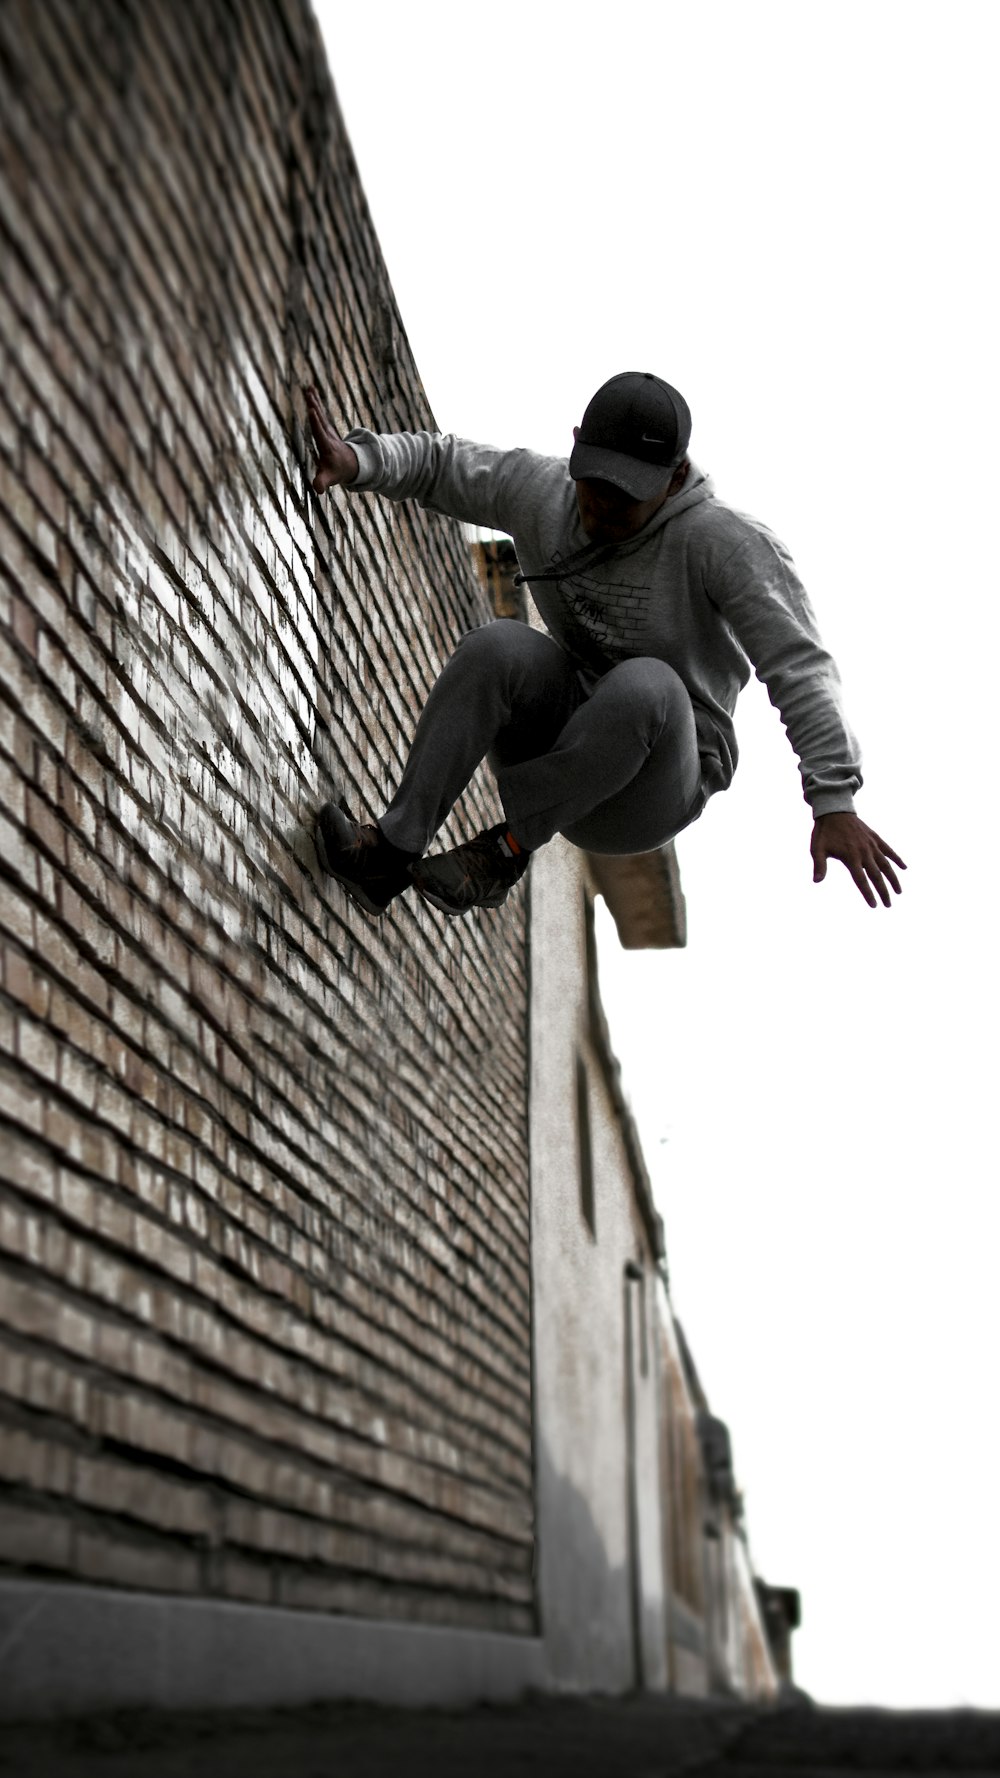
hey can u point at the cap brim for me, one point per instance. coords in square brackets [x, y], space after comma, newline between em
[635, 478]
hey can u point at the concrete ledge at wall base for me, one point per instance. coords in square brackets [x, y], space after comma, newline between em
[68, 1650]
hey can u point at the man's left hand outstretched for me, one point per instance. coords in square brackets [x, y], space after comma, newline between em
[868, 857]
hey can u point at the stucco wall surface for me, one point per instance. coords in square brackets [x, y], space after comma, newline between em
[264, 1204]
[602, 1591]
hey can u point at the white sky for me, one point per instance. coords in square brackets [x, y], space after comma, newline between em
[789, 211]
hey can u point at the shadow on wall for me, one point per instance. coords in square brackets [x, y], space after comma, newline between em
[583, 1591]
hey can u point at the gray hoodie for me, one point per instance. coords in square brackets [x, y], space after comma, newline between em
[707, 589]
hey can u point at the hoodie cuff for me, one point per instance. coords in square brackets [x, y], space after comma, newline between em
[365, 448]
[833, 802]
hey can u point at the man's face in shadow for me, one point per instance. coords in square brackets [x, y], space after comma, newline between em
[609, 515]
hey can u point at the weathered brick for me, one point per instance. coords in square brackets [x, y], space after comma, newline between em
[18, 853]
[285, 1148]
[29, 1165]
[159, 1568]
[34, 1539]
[12, 792]
[121, 1488]
[38, 1049]
[55, 1389]
[35, 1462]
[240, 1578]
[25, 983]
[24, 625]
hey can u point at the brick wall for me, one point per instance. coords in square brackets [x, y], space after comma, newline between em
[264, 1211]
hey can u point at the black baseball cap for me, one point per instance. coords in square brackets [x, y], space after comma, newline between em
[634, 433]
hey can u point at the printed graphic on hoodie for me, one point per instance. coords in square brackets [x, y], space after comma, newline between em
[610, 619]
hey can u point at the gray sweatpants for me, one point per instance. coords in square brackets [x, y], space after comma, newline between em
[613, 769]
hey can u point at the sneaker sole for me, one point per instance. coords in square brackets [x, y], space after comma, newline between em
[447, 907]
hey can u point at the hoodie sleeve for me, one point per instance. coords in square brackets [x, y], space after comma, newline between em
[762, 598]
[474, 482]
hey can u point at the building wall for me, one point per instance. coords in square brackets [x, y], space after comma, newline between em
[264, 1219]
[685, 1553]
[272, 1422]
[753, 1660]
[600, 1490]
[719, 1641]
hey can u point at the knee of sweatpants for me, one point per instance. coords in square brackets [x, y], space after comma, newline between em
[496, 646]
[651, 686]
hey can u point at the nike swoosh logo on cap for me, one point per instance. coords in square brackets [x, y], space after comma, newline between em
[647, 440]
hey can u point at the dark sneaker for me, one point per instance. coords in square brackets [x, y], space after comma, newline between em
[361, 858]
[477, 875]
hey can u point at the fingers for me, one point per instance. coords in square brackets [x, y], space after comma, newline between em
[887, 849]
[322, 431]
[857, 872]
[865, 856]
[876, 877]
[878, 862]
[873, 867]
[866, 868]
[318, 420]
[327, 443]
[890, 873]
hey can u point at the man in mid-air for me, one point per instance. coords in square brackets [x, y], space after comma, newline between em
[616, 727]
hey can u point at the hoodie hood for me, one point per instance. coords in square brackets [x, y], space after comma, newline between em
[697, 487]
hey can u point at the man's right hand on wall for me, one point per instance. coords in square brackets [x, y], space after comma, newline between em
[338, 462]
